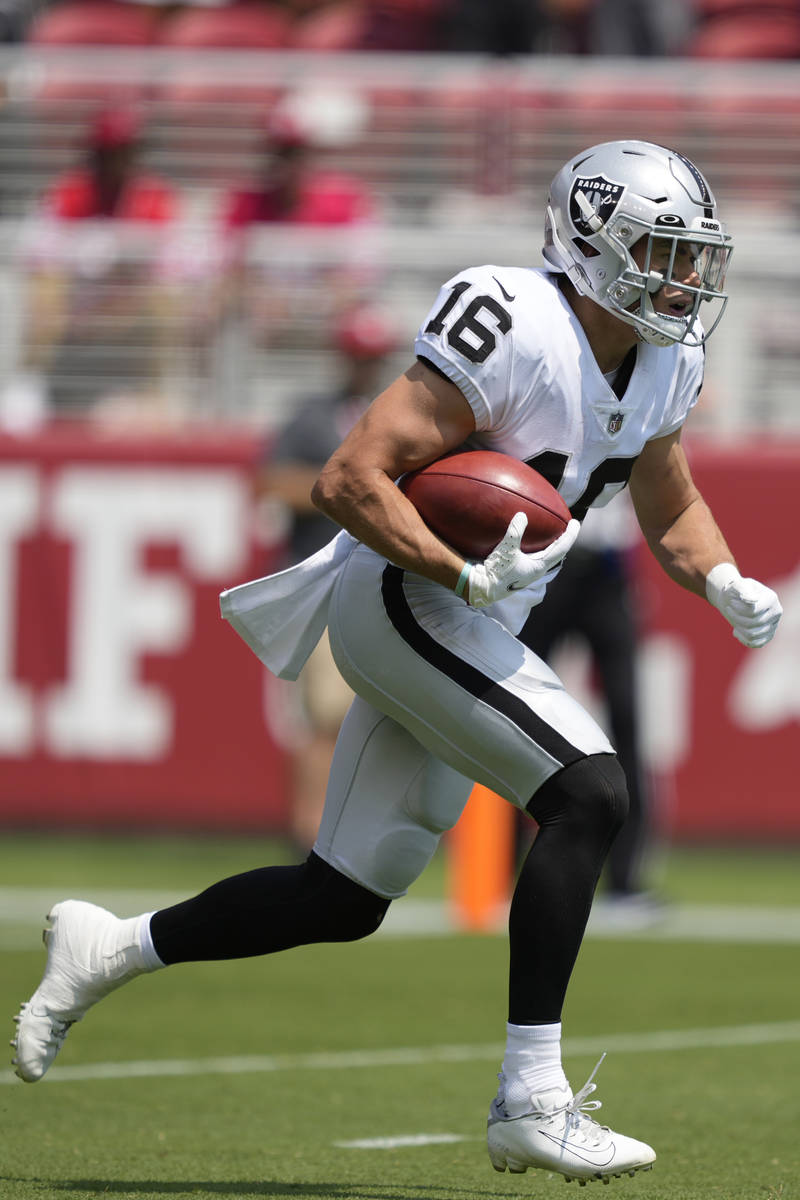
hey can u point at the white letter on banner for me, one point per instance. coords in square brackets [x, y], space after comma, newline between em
[119, 611]
[665, 700]
[19, 516]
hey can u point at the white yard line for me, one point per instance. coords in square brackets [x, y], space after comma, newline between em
[348, 1060]
[31, 904]
[401, 1141]
[22, 911]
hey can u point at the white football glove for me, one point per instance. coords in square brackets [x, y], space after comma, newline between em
[507, 569]
[752, 609]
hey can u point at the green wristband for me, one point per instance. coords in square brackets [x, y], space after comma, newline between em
[462, 579]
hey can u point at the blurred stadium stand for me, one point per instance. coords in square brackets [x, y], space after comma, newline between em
[740, 29]
[459, 151]
[94, 23]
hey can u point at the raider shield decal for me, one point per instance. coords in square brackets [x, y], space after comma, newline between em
[603, 194]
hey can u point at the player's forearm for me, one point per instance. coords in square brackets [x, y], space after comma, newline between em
[690, 546]
[370, 507]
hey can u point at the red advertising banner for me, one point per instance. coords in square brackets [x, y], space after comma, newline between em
[125, 699]
[723, 720]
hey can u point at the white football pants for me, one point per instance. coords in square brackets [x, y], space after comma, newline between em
[445, 697]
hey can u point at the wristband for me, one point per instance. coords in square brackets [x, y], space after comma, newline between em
[462, 579]
[718, 579]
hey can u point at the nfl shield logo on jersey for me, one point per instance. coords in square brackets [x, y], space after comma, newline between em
[603, 194]
[615, 422]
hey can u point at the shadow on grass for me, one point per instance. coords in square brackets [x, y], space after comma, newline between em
[222, 1187]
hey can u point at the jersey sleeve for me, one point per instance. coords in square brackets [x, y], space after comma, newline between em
[468, 336]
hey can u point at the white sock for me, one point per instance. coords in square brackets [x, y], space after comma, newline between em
[150, 960]
[532, 1064]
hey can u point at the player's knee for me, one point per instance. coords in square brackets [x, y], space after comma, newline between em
[347, 910]
[591, 792]
[400, 857]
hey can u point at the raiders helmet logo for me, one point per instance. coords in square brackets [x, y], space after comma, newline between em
[603, 194]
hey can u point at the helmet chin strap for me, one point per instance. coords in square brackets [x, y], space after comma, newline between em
[650, 333]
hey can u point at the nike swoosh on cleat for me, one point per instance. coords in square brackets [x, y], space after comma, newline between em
[589, 1156]
[503, 290]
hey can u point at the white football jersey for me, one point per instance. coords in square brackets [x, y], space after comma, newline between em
[507, 337]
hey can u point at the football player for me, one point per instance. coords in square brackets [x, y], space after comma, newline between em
[587, 369]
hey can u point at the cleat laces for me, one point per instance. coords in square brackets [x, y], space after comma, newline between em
[577, 1121]
[60, 1030]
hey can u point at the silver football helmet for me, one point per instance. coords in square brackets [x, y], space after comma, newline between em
[603, 201]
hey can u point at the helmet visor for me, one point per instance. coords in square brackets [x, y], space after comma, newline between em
[711, 264]
[684, 261]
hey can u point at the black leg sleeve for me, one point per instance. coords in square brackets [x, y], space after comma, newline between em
[269, 909]
[579, 812]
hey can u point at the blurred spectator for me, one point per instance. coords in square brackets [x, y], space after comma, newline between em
[411, 25]
[612, 27]
[95, 311]
[281, 298]
[16, 17]
[111, 183]
[291, 188]
[591, 600]
[639, 27]
[634, 28]
[502, 27]
[364, 340]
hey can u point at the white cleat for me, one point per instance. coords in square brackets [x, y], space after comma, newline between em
[559, 1136]
[90, 952]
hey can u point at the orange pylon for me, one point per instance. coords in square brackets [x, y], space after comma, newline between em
[480, 861]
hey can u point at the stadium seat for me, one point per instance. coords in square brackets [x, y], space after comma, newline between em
[713, 9]
[652, 113]
[756, 35]
[740, 29]
[94, 23]
[738, 117]
[187, 96]
[233, 27]
[333, 27]
[382, 25]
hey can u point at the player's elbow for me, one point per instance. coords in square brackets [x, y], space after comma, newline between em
[320, 493]
[329, 489]
[346, 490]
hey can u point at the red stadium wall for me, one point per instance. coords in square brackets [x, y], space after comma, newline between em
[125, 700]
[723, 719]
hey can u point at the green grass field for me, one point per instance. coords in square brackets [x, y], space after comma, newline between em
[299, 1076]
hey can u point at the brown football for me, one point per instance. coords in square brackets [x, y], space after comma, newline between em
[468, 499]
